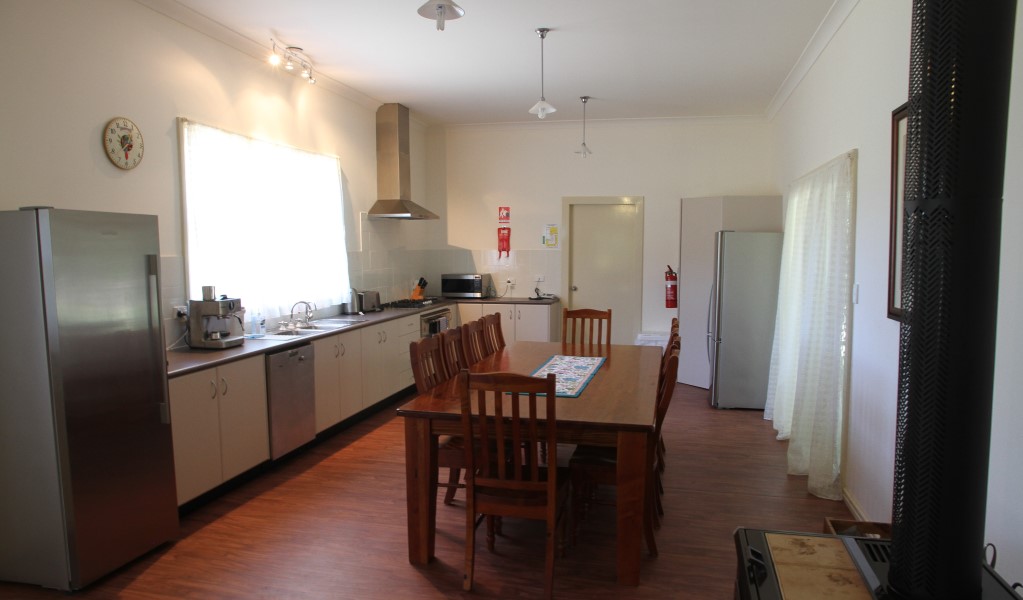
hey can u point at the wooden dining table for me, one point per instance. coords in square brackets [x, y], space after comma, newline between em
[616, 408]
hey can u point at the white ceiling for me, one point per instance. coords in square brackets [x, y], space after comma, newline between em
[635, 58]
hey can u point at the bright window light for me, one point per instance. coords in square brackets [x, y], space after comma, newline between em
[263, 222]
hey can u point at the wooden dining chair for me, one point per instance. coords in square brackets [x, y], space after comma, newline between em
[586, 326]
[493, 337]
[429, 370]
[472, 341]
[452, 351]
[593, 466]
[674, 345]
[508, 416]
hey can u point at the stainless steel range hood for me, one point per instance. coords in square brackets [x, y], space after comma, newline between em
[394, 187]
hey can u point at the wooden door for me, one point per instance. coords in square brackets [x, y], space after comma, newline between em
[605, 260]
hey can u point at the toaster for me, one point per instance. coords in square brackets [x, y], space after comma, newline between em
[369, 301]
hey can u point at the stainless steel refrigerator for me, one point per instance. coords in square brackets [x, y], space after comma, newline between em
[740, 320]
[86, 462]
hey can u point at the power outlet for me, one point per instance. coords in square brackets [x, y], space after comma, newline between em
[181, 312]
[510, 281]
[539, 278]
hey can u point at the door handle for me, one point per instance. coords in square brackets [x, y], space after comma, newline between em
[575, 288]
[223, 386]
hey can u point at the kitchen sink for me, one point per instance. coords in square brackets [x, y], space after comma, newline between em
[339, 322]
[295, 332]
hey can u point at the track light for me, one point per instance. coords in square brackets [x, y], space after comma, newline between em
[542, 108]
[292, 57]
[440, 11]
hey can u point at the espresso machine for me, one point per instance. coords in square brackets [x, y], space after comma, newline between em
[215, 322]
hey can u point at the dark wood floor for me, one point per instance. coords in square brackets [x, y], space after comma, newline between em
[330, 523]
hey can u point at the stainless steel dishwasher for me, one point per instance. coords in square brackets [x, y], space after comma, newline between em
[291, 400]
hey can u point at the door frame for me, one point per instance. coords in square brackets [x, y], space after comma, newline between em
[566, 255]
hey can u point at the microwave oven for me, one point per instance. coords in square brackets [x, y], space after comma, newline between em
[466, 285]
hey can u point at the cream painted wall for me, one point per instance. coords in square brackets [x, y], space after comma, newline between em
[530, 167]
[845, 102]
[90, 62]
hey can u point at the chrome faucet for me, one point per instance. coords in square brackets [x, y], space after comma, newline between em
[309, 308]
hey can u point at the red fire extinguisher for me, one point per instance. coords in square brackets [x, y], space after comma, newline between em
[670, 288]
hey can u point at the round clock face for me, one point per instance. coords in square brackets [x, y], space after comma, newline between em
[122, 142]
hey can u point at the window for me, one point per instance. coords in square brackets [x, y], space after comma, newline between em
[263, 222]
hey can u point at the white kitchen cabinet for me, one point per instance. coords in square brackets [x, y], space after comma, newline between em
[219, 424]
[337, 362]
[385, 361]
[469, 311]
[537, 322]
[526, 322]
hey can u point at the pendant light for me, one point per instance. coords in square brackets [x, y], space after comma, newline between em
[441, 10]
[542, 108]
[584, 150]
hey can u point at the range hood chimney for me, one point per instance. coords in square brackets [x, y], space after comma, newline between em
[394, 187]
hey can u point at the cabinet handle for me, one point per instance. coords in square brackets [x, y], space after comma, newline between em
[342, 349]
[384, 333]
[337, 350]
[223, 386]
[213, 389]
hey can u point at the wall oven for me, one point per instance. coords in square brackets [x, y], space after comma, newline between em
[434, 321]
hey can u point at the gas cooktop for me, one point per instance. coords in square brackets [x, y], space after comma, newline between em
[406, 303]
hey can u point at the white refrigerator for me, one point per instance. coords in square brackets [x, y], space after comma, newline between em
[740, 319]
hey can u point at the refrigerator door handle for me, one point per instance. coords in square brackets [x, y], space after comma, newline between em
[153, 293]
[710, 333]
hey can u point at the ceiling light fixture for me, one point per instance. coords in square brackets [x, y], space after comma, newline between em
[441, 10]
[291, 57]
[542, 108]
[584, 150]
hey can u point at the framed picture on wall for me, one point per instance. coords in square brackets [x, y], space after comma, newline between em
[900, 117]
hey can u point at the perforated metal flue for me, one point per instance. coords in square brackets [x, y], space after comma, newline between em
[958, 106]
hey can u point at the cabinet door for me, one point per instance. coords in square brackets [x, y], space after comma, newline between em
[374, 363]
[327, 373]
[533, 322]
[407, 330]
[244, 434]
[195, 429]
[469, 311]
[350, 383]
[509, 322]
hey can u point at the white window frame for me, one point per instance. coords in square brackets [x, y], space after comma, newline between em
[263, 222]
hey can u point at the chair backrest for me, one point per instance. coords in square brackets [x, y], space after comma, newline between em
[665, 391]
[674, 343]
[452, 351]
[472, 341]
[428, 368]
[586, 326]
[502, 413]
[493, 337]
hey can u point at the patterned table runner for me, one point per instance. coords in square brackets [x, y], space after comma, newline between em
[572, 373]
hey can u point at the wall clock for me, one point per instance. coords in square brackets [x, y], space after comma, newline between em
[122, 142]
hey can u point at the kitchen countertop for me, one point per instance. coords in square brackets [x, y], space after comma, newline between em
[181, 361]
[508, 300]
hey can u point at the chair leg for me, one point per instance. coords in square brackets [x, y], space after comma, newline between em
[649, 516]
[470, 546]
[453, 476]
[548, 580]
[490, 532]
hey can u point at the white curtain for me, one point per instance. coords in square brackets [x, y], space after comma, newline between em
[264, 222]
[809, 380]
